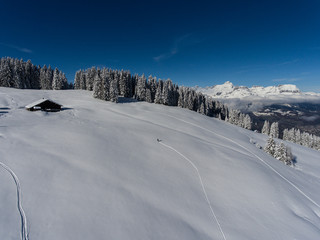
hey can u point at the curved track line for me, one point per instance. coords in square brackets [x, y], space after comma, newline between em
[24, 228]
[264, 162]
[203, 188]
[178, 131]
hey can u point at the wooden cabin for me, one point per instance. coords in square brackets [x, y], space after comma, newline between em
[44, 105]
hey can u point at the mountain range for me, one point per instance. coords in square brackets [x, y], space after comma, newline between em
[228, 90]
[285, 104]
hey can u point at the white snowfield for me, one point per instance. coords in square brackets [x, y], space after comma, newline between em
[285, 91]
[97, 171]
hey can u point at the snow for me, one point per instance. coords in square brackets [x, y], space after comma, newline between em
[229, 91]
[255, 98]
[36, 103]
[96, 170]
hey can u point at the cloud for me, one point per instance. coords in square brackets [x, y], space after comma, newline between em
[310, 118]
[181, 42]
[286, 79]
[288, 62]
[167, 55]
[20, 49]
[305, 73]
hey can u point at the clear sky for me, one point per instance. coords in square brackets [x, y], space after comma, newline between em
[191, 42]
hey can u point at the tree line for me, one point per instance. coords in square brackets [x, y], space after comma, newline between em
[108, 84]
[292, 135]
[17, 73]
[302, 138]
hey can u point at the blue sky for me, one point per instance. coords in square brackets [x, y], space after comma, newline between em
[191, 42]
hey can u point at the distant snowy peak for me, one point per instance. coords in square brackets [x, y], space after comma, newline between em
[228, 90]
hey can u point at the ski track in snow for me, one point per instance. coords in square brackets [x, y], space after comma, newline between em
[215, 219]
[172, 129]
[202, 185]
[24, 227]
[264, 162]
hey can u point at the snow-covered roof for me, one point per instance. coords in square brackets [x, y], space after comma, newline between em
[40, 101]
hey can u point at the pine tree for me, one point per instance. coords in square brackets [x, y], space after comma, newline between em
[35, 77]
[5, 75]
[266, 128]
[18, 75]
[291, 135]
[141, 88]
[49, 78]
[274, 130]
[158, 96]
[148, 95]
[190, 99]
[98, 87]
[247, 122]
[83, 84]
[152, 81]
[270, 146]
[113, 90]
[43, 77]
[57, 81]
[285, 134]
[91, 73]
[124, 84]
[167, 93]
[105, 81]
[28, 74]
[280, 152]
[289, 157]
[77, 80]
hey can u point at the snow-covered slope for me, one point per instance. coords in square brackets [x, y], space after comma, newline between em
[228, 90]
[97, 171]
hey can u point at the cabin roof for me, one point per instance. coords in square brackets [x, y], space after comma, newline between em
[39, 102]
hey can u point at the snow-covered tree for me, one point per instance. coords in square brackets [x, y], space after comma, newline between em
[124, 79]
[49, 78]
[83, 84]
[28, 74]
[181, 100]
[167, 93]
[148, 95]
[43, 77]
[113, 91]
[270, 146]
[105, 81]
[5, 75]
[283, 153]
[18, 75]
[247, 122]
[57, 81]
[77, 80]
[289, 158]
[158, 96]
[91, 73]
[98, 88]
[266, 128]
[274, 130]
[141, 88]
[153, 87]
